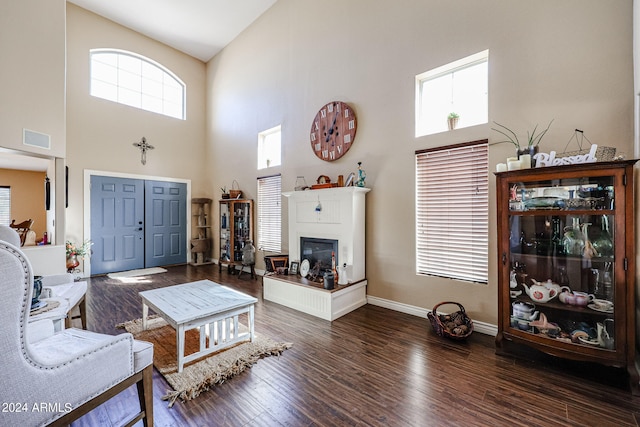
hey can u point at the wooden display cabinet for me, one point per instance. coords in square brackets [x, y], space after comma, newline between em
[569, 228]
[201, 242]
[236, 228]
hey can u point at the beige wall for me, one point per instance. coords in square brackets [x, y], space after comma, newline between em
[570, 61]
[100, 133]
[32, 43]
[27, 197]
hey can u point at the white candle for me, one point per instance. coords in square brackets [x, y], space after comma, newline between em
[526, 161]
[514, 165]
[501, 167]
[511, 159]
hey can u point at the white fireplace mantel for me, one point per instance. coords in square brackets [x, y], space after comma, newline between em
[331, 213]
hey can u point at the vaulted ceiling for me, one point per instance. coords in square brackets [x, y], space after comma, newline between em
[200, 28]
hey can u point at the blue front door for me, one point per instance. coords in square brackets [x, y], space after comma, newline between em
[137, 224]
[166, 223]
[117, 224]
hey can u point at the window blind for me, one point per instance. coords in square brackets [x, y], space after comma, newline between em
[5, 205]
[270, 213]
[452, 211]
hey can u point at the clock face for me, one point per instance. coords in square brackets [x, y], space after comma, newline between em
[333, 131]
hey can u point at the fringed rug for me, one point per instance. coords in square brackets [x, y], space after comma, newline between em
[198, 376]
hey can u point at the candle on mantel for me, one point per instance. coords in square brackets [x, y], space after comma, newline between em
[514, 165]
[501, 167]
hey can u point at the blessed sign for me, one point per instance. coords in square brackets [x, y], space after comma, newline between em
[550, 159]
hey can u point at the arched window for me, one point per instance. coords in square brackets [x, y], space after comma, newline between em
[131, 79]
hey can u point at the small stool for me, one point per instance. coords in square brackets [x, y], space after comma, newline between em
[248, 258]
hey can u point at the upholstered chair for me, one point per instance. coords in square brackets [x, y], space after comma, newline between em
[58, 285]
[57, 378]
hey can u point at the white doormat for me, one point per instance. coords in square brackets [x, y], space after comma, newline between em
[135, 273]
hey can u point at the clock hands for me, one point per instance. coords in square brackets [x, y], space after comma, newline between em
[330, 132]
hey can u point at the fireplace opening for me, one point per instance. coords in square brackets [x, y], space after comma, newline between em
[318, 251]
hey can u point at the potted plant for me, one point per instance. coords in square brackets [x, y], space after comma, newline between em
[76, 251]
[452, 120]
[225, 194]
[533, 139]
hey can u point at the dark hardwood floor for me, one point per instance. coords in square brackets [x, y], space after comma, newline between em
[372, 367]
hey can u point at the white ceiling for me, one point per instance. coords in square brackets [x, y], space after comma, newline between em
[200, 28]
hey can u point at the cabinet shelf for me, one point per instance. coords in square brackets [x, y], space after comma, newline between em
[589, 250]
[201, 242]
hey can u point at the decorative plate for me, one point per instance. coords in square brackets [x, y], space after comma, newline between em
[304, 267]
[588, 341]
[545, 203]
[600, 309]
[38, 305]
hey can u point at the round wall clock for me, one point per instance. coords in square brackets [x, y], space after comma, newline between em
[333, 130]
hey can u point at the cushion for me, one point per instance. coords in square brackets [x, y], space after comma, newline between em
[142, 355]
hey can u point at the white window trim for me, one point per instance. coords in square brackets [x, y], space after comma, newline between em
[150, 61]
[262, 136]
[452, 67]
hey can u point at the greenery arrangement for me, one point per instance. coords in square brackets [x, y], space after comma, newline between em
[533, 139]
[453, 115]
[79, 250]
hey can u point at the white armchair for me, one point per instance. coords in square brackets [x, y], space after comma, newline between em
[55, 378]
[57, 286]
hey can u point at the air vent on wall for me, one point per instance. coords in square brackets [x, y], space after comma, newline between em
[36, 139]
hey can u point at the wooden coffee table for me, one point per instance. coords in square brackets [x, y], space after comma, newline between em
[206, 305]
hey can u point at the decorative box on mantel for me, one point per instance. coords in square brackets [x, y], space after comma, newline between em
[336, 215]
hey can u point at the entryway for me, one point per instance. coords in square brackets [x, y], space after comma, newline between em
[137, 223]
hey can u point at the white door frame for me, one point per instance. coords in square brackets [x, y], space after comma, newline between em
[88, 173]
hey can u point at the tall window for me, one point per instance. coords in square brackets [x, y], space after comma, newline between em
[131, 79]
[460, 88]
[269, 213]
[269, 143]
[5, 205]
[452, 211]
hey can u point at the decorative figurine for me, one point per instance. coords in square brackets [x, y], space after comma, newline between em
[361, 176]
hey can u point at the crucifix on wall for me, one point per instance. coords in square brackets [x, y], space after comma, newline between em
[143, 146]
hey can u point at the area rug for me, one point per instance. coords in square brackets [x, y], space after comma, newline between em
[135, 273]
[198, 376]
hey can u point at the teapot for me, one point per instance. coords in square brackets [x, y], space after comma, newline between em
[566, 296]
[540, 292]
[582, 299]
[524, 310]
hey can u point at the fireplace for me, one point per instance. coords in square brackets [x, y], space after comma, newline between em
[318, 251]
[338, 225]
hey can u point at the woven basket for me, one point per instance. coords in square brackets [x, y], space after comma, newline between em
[235, 192]
[603, 154]
[442, 323]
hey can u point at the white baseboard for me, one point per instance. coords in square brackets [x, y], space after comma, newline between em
[481, 327]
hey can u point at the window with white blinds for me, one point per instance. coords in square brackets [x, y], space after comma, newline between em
[269, 213]
[452, 211]
[5, 205]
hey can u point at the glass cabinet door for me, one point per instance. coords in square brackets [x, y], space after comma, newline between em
[241, 227]
[225, 232]
[562, 265]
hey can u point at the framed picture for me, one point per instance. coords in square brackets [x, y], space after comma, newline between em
[293, 268]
